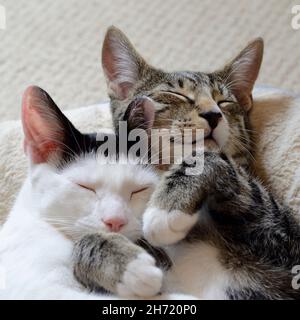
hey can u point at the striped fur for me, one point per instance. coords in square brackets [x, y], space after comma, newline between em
[257, 237]
[244, 232]
[185, 96]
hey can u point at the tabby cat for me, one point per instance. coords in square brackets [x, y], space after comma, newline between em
[227, 236]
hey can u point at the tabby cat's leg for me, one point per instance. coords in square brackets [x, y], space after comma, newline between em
[112, 262]
[174, 206]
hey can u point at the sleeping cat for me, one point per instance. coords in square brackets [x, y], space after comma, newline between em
[72, 190]
[227, 236]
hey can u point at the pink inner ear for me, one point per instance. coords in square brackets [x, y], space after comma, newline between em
[38, 132]
[149, 113]
[142, 113]
[121, 89]
[115, 58]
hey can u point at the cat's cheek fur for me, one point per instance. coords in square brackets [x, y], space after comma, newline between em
[141, 278]
[221, 133]
[60, 201]
[162, 227]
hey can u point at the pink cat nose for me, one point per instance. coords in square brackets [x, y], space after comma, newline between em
[115, 224]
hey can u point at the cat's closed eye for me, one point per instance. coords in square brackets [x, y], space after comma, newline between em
[180, 95]
[87, 187]
[138, 191]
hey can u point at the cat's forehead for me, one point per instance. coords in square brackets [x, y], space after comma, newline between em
[194, 85]
[110, 172]
[186, 81]
[189, 80]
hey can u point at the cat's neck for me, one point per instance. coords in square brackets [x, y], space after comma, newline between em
[24, 204]
[24, 196]
[25, 219]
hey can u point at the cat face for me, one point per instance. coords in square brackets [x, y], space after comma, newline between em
[216, 102]
[111, 199]
[75, 189]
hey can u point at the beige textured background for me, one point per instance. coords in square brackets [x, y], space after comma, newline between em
[56, 44]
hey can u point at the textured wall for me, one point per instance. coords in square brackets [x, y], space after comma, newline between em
[56, 44]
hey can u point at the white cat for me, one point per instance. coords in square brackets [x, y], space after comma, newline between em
[70, 191]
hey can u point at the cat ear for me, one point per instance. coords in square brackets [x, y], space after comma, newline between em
[121, 63]
[242, 72]
[45, 127]
[140, 114]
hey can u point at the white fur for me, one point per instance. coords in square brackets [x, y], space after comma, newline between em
[164, 228]
[35, 254]
[75, 210]
[141, 278]
[221, 132]
[35, 257]
[197, 271]
[53, 209]
[196, 267]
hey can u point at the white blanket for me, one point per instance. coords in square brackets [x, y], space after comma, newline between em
[276, 121]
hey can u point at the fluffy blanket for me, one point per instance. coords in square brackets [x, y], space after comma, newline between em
[275, 119]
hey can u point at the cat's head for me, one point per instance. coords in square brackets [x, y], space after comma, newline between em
[216, 102]
[74, 188]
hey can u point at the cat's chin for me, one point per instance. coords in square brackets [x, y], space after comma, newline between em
[211, 145]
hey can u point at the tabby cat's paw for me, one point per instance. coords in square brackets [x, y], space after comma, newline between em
[161, 227]
[141, 278]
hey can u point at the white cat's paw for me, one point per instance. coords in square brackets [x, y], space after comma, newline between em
[142, 279]
[161, 227]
